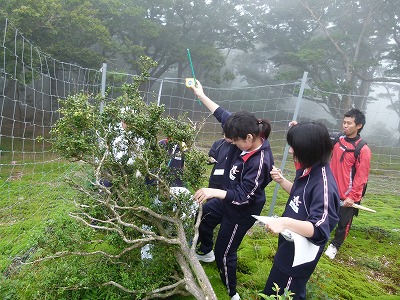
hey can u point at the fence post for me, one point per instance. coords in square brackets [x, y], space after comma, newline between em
[286, 151]
[160, 92]
[103, 85]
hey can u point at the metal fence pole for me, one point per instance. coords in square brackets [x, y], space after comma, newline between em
[286, 151]
[160, 92]
[103, 85]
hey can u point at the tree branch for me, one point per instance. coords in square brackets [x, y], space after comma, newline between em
[328, 35]
[379, 79]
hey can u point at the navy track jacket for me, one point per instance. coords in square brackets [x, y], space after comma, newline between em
[245, 178]
[314, 197]
[219, 151]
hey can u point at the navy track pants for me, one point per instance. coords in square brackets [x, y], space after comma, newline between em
[229, 237]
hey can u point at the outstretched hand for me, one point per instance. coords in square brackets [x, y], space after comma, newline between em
[203, 194]
[197, 89]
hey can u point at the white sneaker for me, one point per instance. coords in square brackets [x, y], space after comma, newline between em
[209, 257]
[331, 251]
[235, 297]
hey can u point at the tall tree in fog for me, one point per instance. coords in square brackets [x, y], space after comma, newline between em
[118, 32]
[67, 30]
[204, 27]
[393, 95]
[341, 44]
[391, 72]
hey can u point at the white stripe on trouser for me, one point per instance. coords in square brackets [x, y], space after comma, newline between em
[224, 259]
[289, 283]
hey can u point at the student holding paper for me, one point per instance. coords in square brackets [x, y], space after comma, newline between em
[311, 210]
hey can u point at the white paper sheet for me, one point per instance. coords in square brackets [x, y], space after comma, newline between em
[304, 250]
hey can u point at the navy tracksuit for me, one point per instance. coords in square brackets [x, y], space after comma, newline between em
[245, 177]
[175, 162]
[314, 197]
[219, 151]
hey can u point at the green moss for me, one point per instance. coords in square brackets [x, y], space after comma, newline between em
[367, 265]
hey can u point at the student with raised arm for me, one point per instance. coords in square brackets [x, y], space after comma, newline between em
[246, 174]
[311, 210]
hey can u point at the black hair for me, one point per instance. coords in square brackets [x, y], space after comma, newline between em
[359, 117]
[242, 123]
[310, 142]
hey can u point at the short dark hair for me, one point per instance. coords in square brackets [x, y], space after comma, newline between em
[242, 123]
[310, 142]
[358, 115]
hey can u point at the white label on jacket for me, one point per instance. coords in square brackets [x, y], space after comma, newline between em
[232, 173]
[294, 204]
[219, 172]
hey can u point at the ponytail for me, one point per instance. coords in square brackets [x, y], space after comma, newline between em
[265, 128]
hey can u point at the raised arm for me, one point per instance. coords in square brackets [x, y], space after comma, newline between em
[198, 90]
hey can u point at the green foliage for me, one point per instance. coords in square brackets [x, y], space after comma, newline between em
[137, 208]
[67, 30]
[119, 32]
[318, 284]
[77, 127]
[287, 295]
[370, 253]
[340, 53]
[77, 277]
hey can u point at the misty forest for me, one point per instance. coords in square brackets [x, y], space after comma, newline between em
[349, 49]
[345, 46]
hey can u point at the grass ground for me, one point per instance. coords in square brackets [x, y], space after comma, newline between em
[367, 266]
